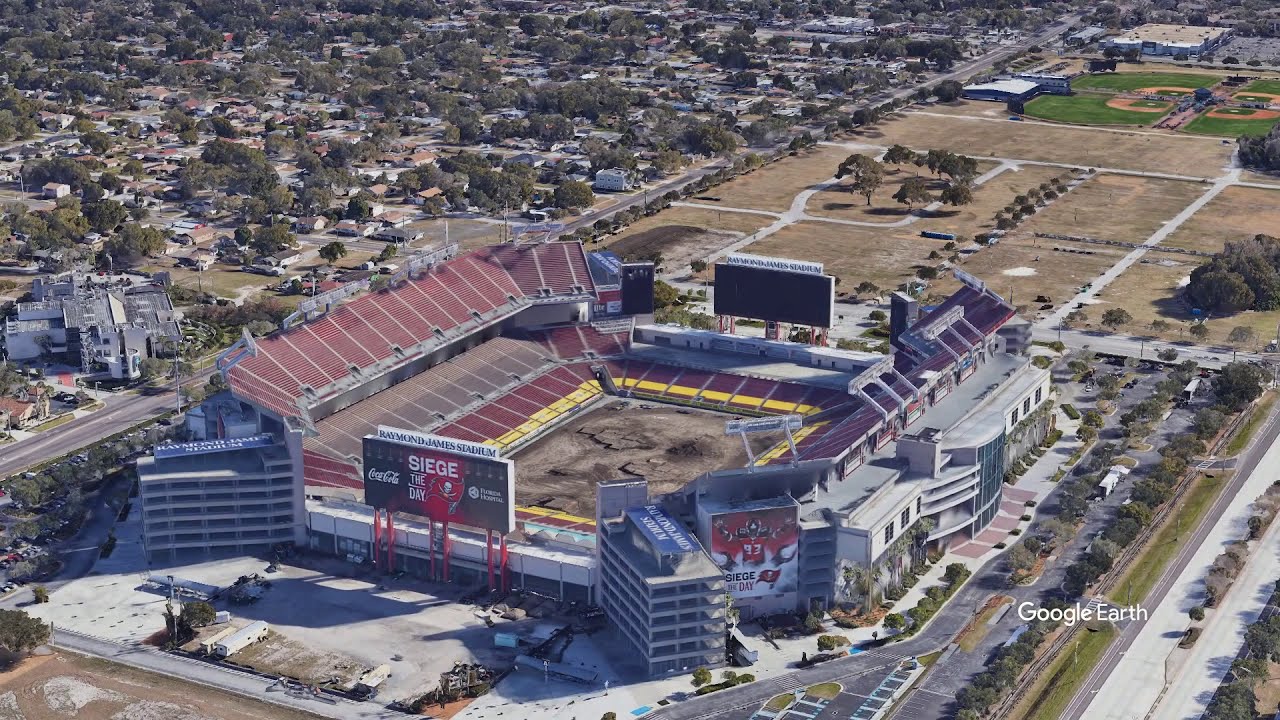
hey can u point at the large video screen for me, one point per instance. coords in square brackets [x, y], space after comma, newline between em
[778, 295]
[447, 486]
[637, 288]
[758, 550]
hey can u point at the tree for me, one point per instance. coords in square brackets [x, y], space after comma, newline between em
[948, 91]
[898, 155]
[698, 266]
[332, 252]
[1242, 335]
[1167, 355]
[573, 195]
[914, 191]
[701, 676]
[1116, 317]
[1196, 613]
[41, 594]
[198, 614]
[104, 215]
[133, 243]
[894, 621]
[20, 632]
[664, 295]
[1020, 558]
[957, 193]
[358, 208]
[270, 239]
[1238, 385]
[1199, 331]
[866, 287]
[866, 175]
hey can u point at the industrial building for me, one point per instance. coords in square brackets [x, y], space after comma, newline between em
[87, 324]
[1156, 39]
[1002, 90]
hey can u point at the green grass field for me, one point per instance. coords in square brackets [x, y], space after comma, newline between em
[1229, 127]
[1133, 81]
[1066, 673]
[1271, 87]
[1087, 109]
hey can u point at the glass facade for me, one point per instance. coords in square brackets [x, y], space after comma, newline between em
[990, 483]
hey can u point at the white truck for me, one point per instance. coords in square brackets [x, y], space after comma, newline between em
[243, 638]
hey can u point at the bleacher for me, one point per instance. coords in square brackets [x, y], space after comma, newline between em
[723, 391]
[383, 328]
[428, 398]
[573, 342]
[526, 409]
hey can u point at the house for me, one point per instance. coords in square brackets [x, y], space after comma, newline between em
[309, 224]
[54, 190]
[613, 180]
[351, 228]
[423, 196]
[16, 414]
[201, 235]
[285, 258]
[399, 234]
[393, 218]
[419, 159]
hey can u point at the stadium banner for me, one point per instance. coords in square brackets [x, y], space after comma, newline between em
[774, 263]
[436, 442]
[758, 550]
[447, 485]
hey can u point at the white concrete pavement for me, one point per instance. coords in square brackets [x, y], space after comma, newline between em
[1153, 671]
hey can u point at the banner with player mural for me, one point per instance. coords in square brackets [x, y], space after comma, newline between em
[448, 485]
[758, 550]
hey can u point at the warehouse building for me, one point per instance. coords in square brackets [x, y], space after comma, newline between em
[1002, 90]
[1156, 39]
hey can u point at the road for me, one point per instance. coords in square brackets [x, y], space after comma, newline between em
[121, 412]
[1132, 675]
[1146, 348]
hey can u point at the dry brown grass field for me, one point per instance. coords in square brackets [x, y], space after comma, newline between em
[1115, 207]
[1236, 213]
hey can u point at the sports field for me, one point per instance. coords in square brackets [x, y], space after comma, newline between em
[1116, 207]
[1237, 213]
[1135, 81]
[1091, 109]
[1266, 87]
[1233, 122]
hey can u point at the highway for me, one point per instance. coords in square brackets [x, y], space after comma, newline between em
[1132, 676]
[121, 412]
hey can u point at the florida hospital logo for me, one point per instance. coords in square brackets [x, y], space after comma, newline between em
[474, 492]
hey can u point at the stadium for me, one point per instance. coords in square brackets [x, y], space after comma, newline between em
[490, 354]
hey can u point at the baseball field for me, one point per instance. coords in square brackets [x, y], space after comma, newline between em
[1096, 109]
[1233, 122]
[1167, 83]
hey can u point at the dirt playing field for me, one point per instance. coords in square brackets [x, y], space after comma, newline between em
[1243, 113]
[853, 254]
[69, 686]
[668, 445]
[1237, 213]
[1145, 150]
[1148, 106]
[773, 186]
[1115, 207]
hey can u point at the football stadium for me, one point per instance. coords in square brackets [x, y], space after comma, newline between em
[387, 426]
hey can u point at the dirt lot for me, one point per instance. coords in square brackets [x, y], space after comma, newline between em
[1236, 213]
[683, 234]
[853, 254]
[620, 441]
[1024, 269]
[65, 685]
[773, 186]
[1150, 290]
[278, 655]
[1145, 150]
[839, 202]
[1116, 207]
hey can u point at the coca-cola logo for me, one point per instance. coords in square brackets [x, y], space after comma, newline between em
[386, 476]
